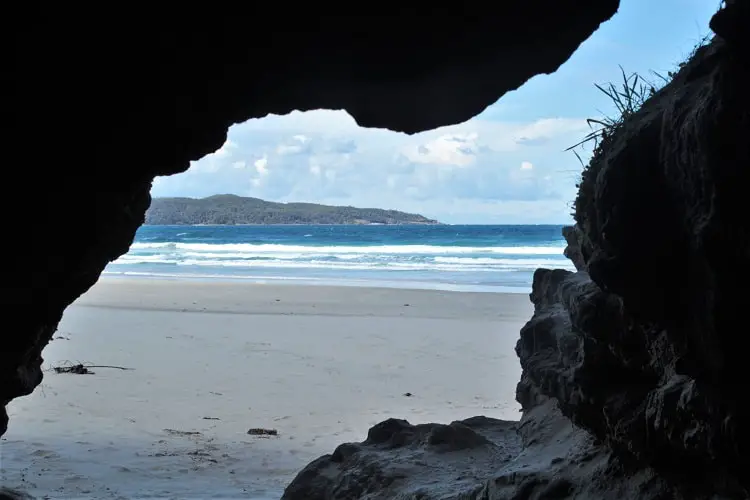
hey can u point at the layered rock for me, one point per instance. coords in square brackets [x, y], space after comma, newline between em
[98, 106]
[635, 361]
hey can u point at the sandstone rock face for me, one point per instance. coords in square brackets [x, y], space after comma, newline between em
[101, 105]
[633, 365]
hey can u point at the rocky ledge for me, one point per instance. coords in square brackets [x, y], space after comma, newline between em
[542, 456]
[634, 379]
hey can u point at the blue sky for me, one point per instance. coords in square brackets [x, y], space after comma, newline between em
[505, 166]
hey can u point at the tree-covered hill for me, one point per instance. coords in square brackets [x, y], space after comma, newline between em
[232, 209]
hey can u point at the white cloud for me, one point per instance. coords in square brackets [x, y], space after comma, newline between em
[215, 161]
[261, 169]
[261, 165]
[477, 171]
[314, 167]
[458, 150]
[225, 150]
[548, 128]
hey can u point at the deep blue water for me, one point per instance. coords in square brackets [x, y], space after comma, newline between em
[477, 258]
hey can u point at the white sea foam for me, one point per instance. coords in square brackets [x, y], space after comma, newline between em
[425, 258]
[469, 268]
[483, 266]
[265, 248]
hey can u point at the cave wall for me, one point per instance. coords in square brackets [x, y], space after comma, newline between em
[102, 101]
[643, 346]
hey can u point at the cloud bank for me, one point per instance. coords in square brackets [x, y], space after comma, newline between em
[481, 171]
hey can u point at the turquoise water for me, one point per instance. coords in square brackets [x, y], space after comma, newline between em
[464, 258]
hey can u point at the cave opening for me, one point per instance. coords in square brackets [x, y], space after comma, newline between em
[563, 302]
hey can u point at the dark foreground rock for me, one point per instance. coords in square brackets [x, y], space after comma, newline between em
[11, 494]
[542, 456]
[634, 382]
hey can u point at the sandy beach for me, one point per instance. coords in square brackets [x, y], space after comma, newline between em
[207, 361]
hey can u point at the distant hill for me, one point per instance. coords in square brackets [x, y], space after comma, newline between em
[231, 209]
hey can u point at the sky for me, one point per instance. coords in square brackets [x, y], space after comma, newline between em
[507, 165]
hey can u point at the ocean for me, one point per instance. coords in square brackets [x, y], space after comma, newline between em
[444, 257]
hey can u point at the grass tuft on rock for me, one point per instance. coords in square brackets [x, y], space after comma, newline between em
[628, 96]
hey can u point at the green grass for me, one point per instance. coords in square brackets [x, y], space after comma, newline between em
[628, 96]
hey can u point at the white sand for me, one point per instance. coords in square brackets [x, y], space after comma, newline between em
[319, 364]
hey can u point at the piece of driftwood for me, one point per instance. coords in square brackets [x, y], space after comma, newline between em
[81, 369]
[258, 431]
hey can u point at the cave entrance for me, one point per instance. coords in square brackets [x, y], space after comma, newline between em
[180, 380]
[262, 330]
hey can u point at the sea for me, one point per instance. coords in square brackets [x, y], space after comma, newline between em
[477, 258]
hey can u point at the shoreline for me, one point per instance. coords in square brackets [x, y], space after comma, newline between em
[252, 298]
[210, 360]
[486, 259]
